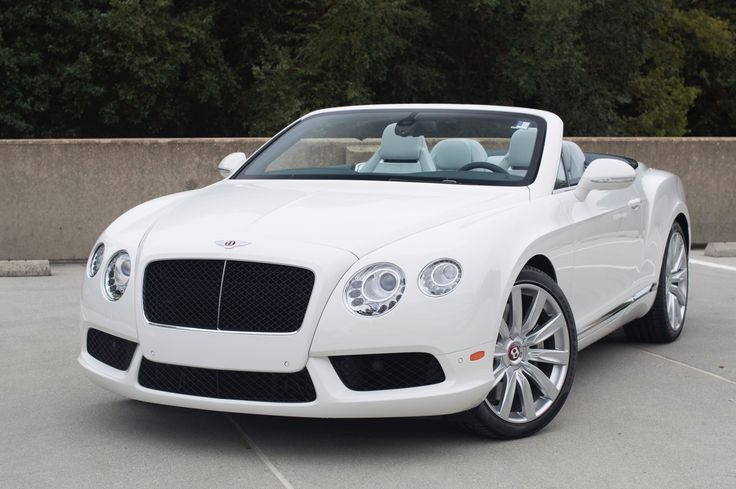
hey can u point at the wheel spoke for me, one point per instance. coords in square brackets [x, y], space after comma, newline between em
[534, 312]
[516, 311]
[503, 331]
[555, 357]
[527, 398]
[678, 293]
[680, 259]
[671, 300]
[549, 389]
[679, 276]
[508, 394]
[498, 376]
[500, 351]
[548, 329]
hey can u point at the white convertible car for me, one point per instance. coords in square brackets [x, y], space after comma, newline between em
[395, 260]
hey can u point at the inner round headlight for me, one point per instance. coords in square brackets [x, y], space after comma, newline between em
[375, 290]
[440, 277]
[95, 261]
[117, 275]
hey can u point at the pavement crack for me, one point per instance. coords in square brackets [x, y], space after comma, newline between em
[262, 456]
[683, 364]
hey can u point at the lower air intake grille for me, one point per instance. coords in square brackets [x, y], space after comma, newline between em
[387, 371]
[227, 384]
[112, 350]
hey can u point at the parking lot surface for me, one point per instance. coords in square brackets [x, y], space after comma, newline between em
[639, 415]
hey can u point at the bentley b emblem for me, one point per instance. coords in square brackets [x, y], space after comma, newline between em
[231, 243]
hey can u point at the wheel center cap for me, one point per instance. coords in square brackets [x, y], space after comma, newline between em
[514, 353]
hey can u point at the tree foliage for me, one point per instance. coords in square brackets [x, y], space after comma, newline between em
[96, 68]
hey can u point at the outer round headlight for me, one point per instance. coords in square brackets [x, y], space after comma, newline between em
[375, 290]
[440, 277]
[95, 261]
[117, 275]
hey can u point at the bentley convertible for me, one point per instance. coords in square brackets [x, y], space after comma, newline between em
[388, 261]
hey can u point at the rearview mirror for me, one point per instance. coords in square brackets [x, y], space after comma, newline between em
[230, 163]
[605, 174]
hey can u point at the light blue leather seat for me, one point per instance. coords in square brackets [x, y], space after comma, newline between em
[519, 156]
[453, 154]
[399, 154]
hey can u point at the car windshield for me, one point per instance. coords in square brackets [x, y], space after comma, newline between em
[449, 146]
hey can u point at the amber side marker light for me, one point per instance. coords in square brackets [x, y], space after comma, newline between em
[477, 355]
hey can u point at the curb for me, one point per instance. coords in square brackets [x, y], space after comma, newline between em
[25, 268]
[727, 249]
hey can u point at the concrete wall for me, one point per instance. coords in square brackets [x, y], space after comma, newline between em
[56, 196]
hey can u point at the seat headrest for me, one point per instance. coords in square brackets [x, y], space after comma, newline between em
[521, 148]
[452, 154]
[399, 148]
[573, 158]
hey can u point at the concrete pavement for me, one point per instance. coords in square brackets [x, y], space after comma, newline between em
[639, 415]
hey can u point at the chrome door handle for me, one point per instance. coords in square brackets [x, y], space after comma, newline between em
[635, 203]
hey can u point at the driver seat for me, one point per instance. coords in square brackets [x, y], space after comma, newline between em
[453, 154]
[399, 154]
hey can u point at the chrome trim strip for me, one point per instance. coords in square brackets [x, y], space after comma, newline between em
[618, 309]
[221, 331]
[219, 296]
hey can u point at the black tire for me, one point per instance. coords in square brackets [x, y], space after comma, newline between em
[482, 420]
[654, 326]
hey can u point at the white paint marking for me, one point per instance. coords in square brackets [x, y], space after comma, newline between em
[713, 265]
[724, 379]
[284, 481]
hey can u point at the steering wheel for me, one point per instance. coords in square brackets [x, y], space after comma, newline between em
[483, 164]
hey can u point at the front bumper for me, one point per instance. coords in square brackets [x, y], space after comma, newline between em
[466, 384]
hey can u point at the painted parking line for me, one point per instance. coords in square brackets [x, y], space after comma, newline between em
[713, 265]
[249, 441]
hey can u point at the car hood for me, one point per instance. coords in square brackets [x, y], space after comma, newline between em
[356, 216]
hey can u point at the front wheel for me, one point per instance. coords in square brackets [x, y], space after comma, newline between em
[533, 363]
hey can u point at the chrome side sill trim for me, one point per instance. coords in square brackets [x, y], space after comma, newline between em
[618, 309]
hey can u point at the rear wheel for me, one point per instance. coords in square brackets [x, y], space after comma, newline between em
[533, 362]
[663, 323]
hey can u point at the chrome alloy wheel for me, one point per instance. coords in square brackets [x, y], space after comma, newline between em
[676, 277]
[531, 357]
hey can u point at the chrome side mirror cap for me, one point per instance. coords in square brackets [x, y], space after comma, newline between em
[230, 163]
[605, 174]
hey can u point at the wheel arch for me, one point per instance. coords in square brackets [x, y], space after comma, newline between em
[544, 264]
[681, 219]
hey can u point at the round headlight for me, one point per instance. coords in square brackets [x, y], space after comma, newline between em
[375, 290]
[440, 277]
[117, 275]
[95, 261]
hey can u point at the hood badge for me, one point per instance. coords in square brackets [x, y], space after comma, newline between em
[231, 243]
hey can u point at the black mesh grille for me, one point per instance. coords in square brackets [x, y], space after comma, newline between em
[264, 297]
[115, 352]
[232, 295]
[387, 371]
[183, 292]
[227, 384]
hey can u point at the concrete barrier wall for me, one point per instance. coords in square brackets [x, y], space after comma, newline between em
[56, 196]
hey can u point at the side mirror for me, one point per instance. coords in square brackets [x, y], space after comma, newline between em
[605, 174]
[230, 163]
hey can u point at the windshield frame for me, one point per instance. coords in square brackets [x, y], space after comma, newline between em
[530, 177]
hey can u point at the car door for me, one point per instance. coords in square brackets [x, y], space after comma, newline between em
[607, 227]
